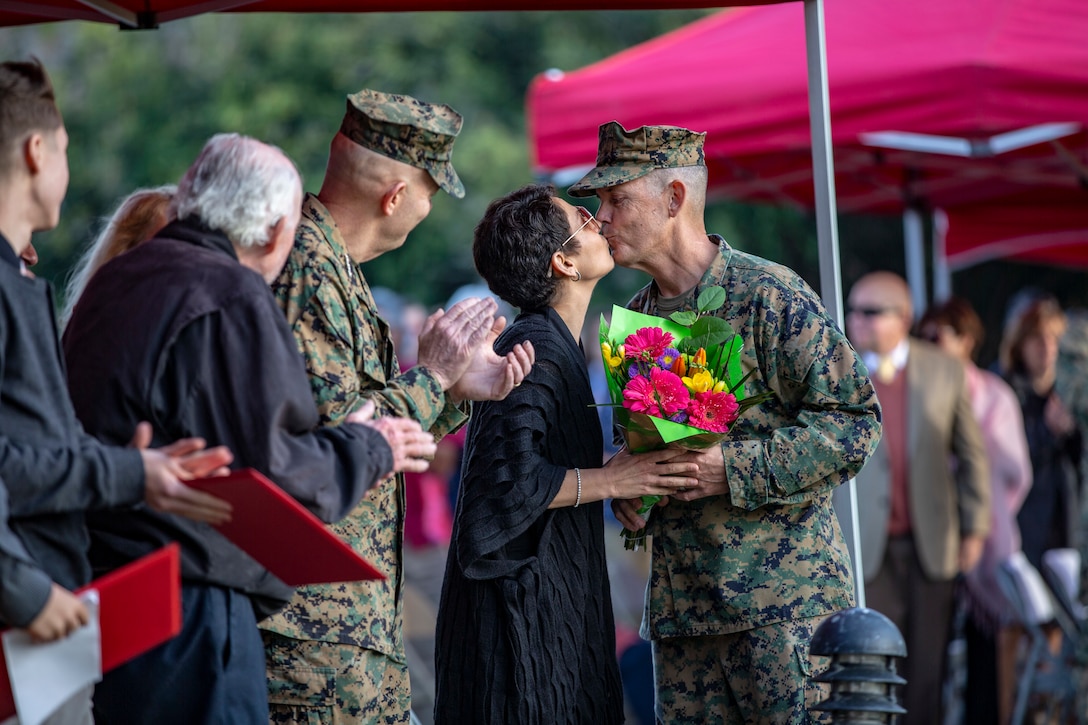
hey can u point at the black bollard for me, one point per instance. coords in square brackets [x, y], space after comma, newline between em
[862, 644]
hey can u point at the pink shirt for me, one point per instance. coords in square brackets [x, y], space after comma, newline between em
[1002, 424]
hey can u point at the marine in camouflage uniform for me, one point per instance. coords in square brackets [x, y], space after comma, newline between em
[740, 581]
[336, 653]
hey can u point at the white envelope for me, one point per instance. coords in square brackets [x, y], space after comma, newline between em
[45, 676]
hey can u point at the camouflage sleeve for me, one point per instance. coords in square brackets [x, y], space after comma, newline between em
[823, 425]
[452, 417]
[347, 368]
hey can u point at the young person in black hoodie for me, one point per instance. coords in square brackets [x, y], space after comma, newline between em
[52, 470]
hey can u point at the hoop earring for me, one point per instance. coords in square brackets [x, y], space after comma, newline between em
[579, 277]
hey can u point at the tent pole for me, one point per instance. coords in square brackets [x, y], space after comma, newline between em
[827, 236]
[942, 276]
[915, 256]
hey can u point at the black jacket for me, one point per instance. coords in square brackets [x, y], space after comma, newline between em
[177, 332]
[52, 469]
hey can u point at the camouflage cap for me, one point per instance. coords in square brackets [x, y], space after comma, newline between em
[624, 155]
[408, 130]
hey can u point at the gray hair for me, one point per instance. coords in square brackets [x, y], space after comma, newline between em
[240, 186]
[694, 179]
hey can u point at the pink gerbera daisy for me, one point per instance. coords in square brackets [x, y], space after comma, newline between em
[661, 395]
[647, 343]
[713, 412]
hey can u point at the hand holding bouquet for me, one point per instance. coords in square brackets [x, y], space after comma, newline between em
[673, 382]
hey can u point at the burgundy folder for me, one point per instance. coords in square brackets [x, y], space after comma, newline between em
[281, 534]
[139, 608]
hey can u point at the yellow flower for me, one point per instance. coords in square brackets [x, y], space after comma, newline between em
[700, 382]
[612, 361]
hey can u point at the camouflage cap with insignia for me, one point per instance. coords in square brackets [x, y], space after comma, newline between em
[408, 130]
[624, 155]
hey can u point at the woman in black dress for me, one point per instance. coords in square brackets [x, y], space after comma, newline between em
[1048, 518]
[525, 631]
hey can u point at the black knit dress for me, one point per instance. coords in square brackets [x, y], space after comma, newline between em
[525, 632]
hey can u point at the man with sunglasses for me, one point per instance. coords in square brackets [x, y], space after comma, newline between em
[337, 652]
[748, 563]
[923, 518]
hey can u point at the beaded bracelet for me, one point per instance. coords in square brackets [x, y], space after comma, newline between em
[578, 497]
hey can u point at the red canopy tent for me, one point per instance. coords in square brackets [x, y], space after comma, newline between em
[1044, 227]
[1004, 82]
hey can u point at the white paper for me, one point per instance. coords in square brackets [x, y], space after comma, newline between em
[45, 676]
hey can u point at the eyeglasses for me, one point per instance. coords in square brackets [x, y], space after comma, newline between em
[588, 217]
[869, 311]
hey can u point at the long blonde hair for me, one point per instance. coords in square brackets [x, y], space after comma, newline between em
[136, 219]
[1039, 316]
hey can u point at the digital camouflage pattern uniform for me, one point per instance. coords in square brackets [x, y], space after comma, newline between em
[770, 554]
[739, 582]
[336, 653]
[350, 359]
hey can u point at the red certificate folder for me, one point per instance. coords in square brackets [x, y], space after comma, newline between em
[139, 608]
[281, 534]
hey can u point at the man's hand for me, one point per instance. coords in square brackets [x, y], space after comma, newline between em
[413, 447]
[62, 614]
[165, 468]
[711, 474]
[449, 340]
[970, 552]
[626, 511]
[490, 377]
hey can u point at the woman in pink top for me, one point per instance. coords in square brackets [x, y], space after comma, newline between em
[991, 642]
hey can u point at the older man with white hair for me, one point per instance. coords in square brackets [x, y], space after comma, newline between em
[184, 332]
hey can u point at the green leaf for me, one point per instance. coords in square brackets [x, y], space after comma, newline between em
[687, 346]
[710, 299]
[710, 332]
[685, 318]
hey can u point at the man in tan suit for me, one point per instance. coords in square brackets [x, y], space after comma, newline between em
[923, 497]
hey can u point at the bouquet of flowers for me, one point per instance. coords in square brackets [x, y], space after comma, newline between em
[673, 382]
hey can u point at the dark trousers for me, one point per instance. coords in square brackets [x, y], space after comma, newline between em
[212, 672]
[980, 699]
[922, 610]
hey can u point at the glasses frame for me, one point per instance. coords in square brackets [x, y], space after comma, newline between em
[587, 215]
[869, 312]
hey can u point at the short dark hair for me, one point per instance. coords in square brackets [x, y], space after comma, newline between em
[27, 104]
[514, 242]
[957, 313]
